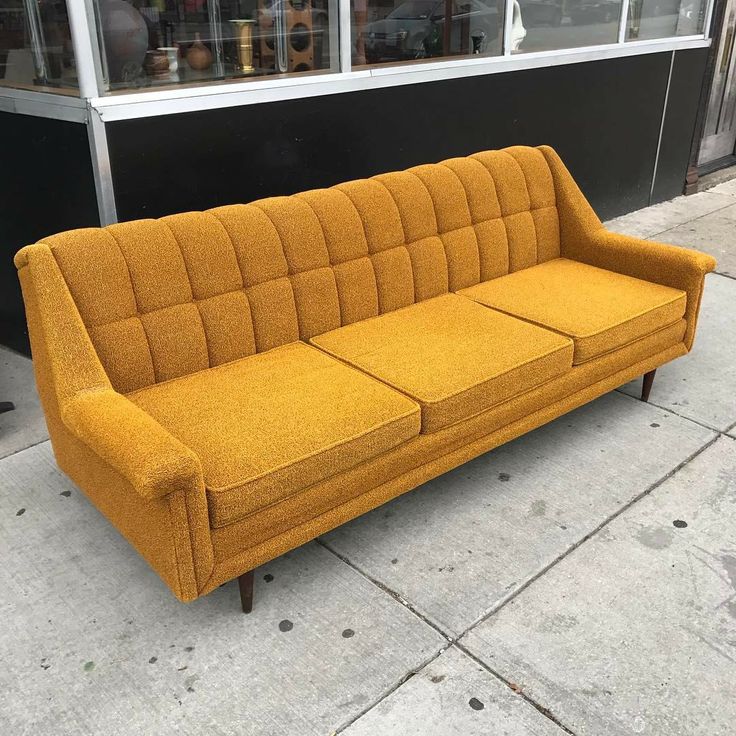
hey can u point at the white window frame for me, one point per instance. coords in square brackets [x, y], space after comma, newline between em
[126, 106]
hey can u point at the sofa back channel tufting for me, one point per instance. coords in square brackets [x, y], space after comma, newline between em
[165, 298]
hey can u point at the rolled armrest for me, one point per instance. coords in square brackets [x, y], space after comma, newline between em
[153, 461]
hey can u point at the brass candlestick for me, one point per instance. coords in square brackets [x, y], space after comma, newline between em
[244, 41]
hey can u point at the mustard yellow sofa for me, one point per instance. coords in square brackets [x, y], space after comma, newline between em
[227, 385]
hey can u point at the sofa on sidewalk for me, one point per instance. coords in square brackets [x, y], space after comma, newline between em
[230, 384]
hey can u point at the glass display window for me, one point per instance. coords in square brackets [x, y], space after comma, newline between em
[35, 46]
[649, 19]
[391, 31]
[568, 24]
[159, 43]
[98, 48]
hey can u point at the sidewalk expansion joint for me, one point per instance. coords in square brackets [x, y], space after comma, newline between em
[725, 275]
[592, 533]
[546, 712]
[672, 411]
[686, 222]
[23, 449]
[389, 591]
[390, 691]
[455, 640]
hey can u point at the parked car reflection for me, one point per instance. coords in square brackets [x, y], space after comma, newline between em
[541, 12]
[588, 12]
[415, 30]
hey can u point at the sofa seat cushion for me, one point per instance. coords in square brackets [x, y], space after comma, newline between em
[454, 357]
[600, 310]
[271, 424]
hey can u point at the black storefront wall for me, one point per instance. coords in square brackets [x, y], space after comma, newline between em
[603, 117]
[46, 186]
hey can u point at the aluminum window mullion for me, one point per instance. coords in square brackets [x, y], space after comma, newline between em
[86, 54]
[508, 21]
[333, 23]
[708, 18]
[346, 41]
[38, 43]
[623, 21]
[101, 170]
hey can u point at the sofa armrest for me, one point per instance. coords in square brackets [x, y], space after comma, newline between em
[669, 265]
[133, 443]
[146, 482]
[583, 238]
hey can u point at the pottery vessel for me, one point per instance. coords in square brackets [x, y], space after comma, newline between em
[125, 34]
[199, 57]
[172, 55]
[157, 64]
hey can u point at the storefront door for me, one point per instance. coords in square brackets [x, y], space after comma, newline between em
[719, 135]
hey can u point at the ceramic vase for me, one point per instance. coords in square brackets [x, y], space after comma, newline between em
[199, 57]
[157, 64]
[125, 34]
[172, 56]
[244, 44]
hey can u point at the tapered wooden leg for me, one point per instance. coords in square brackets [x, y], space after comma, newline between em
[245, 583]
[646, 386]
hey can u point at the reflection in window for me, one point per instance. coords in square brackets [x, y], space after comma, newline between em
[390, 31]
[664, 18]
[149, 43]
[566, 24]
[35, 45]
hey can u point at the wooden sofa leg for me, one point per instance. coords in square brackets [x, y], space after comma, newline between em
[646, 386]
[245, 583]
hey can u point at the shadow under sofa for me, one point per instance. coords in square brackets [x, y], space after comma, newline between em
[228, 385]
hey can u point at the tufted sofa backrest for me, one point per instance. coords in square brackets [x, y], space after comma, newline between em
[165, 298]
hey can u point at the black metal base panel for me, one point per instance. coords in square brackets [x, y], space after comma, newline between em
[46, 186]
[603, 117]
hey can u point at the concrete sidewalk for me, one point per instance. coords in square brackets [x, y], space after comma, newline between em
[581, 579]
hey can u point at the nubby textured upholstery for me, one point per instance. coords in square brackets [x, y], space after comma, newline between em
[227, 385]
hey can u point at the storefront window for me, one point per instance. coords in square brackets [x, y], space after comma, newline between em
[35, 46]
[159, 43]
[664, 18]
[567, 24]
[391, 31]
